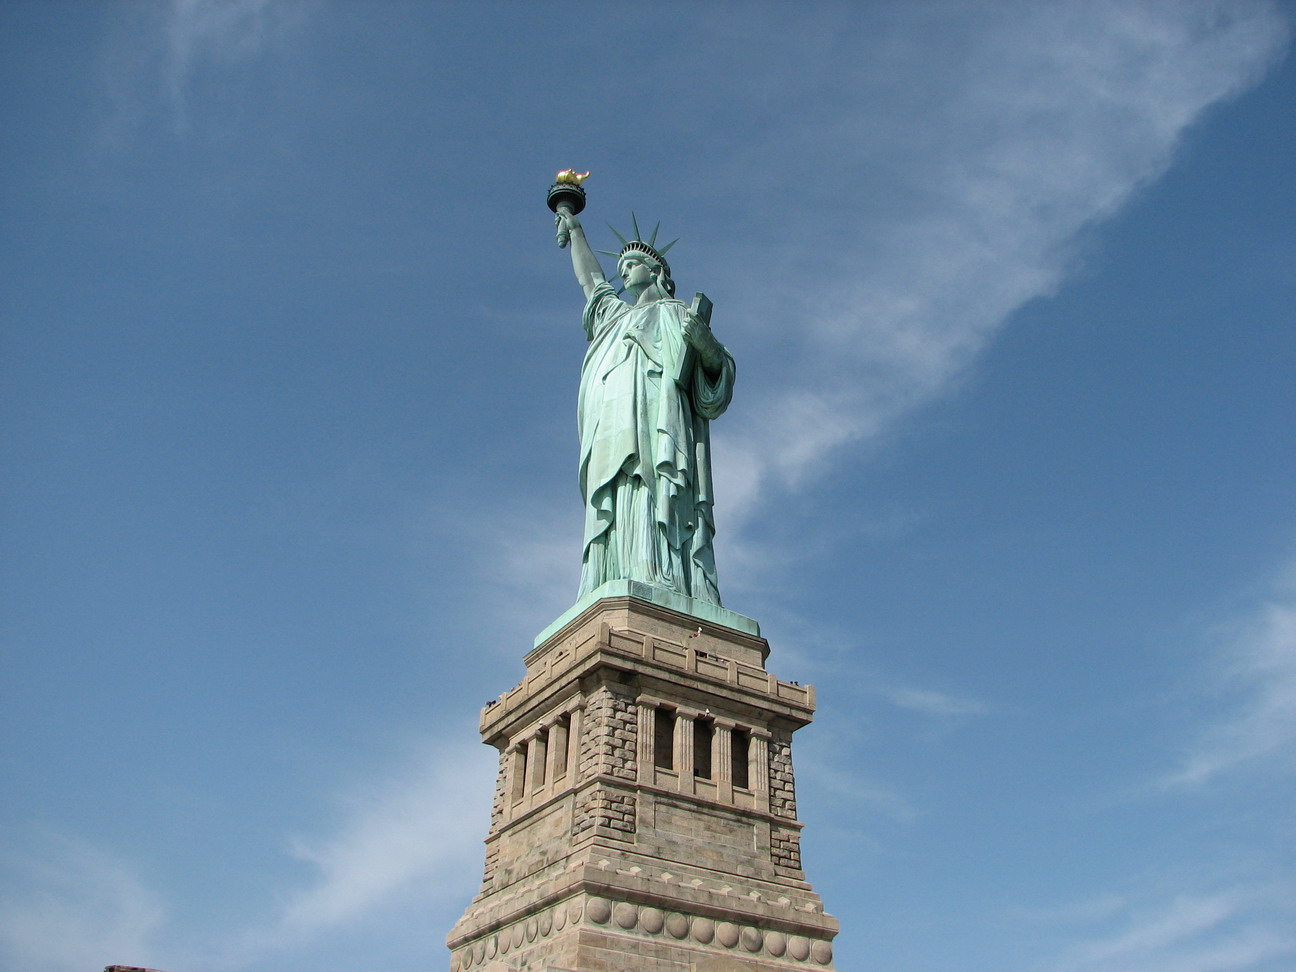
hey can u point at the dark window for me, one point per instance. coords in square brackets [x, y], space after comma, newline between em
[664, 739]
[539, 756]
[741, 752]
[703, 730]
[518, 769]
[561, 737]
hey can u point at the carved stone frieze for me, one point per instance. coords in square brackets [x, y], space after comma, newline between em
[697, 933]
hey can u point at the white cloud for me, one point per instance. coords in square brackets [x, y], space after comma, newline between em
[407, 833]
[932, 703]
[1083, 912]
[1227, 931]
[157, 52]
[1054, 117]
[1182, 918]
[80, 908]
[538, 555]
[522, 566]
[1256, 666]
[218, 30]
[1198, 917]
[415, 835]
[851, 790]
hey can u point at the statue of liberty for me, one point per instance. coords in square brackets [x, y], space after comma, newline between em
[653, 377]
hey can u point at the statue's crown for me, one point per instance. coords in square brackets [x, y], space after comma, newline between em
[639, 245]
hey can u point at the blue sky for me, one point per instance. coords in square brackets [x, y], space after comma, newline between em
[290, 363]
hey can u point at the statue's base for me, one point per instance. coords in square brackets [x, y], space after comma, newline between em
[645, 813]
[702, 610]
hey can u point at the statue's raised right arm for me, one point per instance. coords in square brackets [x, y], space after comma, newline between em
[585, 264]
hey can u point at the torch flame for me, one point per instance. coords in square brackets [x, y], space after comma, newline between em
[571, 177]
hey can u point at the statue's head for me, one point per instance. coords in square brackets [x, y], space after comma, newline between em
[637, 251]
[639, 266]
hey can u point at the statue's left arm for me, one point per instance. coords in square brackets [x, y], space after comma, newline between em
[710, 352]
[712, 380]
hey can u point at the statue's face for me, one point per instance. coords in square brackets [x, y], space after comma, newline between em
[636, 271]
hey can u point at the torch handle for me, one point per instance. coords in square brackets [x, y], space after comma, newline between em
[564, 234]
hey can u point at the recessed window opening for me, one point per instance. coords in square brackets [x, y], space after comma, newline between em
[741, 755]
[664, 739]
[703, 732]
[518, 772]
[561, 737]
[537, 756]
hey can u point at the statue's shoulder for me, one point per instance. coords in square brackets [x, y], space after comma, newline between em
[602, 294]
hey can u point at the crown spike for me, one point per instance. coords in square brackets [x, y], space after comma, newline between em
[623, 240]
[653, 240]
[638, 235]
[663, 250]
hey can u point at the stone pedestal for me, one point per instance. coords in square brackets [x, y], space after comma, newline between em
[645, 813]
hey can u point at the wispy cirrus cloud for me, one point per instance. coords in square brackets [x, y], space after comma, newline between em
[396, 838]
[538, 555]
[219, 30]
[930, 702]
[80, 908]
[1049, 122]
[158, 53]
[853, 790]
[521, 566]
[1254, 676]
[1225, 906]
[1230, 930]
[407, 832]
[1081, 912]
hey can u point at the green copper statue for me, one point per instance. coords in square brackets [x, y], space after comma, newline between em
[653, 378]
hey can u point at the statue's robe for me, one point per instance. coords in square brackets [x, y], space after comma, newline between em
[645, 468]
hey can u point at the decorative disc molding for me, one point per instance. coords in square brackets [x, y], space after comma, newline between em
[669, 926]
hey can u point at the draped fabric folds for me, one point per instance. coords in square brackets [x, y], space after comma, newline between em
[645, 467]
